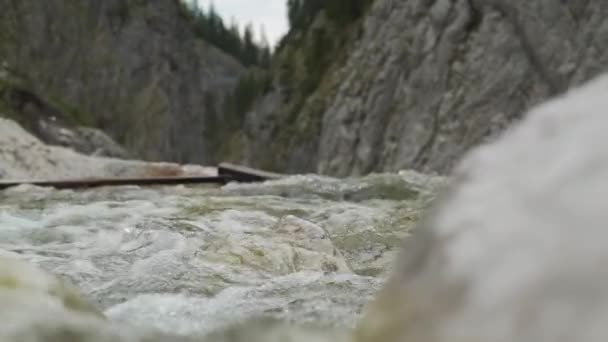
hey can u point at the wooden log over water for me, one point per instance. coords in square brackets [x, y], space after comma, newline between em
[98, 182]
[245, 174]
[226, 173]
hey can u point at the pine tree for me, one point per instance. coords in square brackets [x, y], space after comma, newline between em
[264, 53]
[234, 41]
[293, 10]
[344, 11]
[301, 12]
[210, 26]
[250, 50]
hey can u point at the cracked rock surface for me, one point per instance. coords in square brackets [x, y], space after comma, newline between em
[426, 80]
[430, 79]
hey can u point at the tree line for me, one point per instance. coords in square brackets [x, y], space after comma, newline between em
[301, 12]
[209, 26]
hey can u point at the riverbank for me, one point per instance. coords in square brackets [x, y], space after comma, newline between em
[23, 156]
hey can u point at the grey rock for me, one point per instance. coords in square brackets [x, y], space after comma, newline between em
[51, 125]
[98, 143]
[82, 139]
[23, 156]
[512, 250]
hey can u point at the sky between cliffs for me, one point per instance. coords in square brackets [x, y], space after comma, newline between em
[270, 13]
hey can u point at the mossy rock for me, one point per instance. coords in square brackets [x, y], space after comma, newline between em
[22, 277]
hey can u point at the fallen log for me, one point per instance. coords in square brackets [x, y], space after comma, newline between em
[246, 174]
[226, 173]
[99, 182]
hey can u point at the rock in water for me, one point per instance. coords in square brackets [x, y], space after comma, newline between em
[516, 248]
[39, 307]
[33, 302]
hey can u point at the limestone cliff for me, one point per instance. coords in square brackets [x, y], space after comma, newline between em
[133, 68]
[417, 83]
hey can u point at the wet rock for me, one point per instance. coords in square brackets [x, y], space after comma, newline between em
[513, 250]
[19, 279]
[37, 306]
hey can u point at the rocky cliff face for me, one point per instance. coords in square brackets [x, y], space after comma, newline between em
[131, 67]
[424, 81]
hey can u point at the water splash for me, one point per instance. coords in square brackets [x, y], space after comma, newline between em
[190, 259]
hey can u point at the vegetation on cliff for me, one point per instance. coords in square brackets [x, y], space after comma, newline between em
[209, 26]
[135, 69]
[142, 71]
[321, 34]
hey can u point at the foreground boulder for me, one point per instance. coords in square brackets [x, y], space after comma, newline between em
[37, 306]
[515, 249]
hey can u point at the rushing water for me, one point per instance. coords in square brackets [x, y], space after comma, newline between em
[187, 260]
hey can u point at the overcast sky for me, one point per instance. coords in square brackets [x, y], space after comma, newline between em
[271, 13]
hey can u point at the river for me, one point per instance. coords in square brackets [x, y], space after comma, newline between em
[188, 260]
